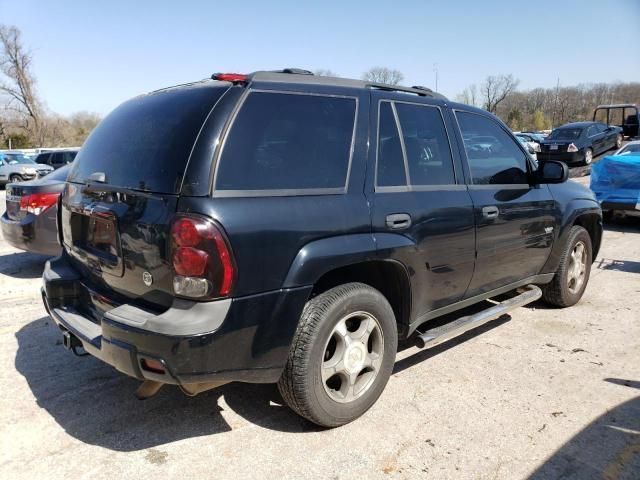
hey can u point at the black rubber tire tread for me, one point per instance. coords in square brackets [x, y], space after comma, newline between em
[295, 382]
[556, 292]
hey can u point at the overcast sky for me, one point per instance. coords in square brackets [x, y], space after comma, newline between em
[93, 55]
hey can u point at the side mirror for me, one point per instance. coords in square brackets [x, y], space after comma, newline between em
[551, 171]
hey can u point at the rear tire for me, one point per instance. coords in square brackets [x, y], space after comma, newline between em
[588, 156]
[618, 141]
[346, 334]
[573, 272]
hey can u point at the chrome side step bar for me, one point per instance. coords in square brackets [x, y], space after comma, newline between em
[438, 335]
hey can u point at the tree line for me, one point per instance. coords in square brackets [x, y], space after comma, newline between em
[25, 122]
[545, 108]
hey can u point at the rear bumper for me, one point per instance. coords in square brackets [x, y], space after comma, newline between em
[242, 339]
[566, 157]
[34, 233]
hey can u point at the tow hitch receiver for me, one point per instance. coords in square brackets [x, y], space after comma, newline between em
[438, 335]
[72, 343]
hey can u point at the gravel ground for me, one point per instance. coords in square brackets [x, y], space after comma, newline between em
[541, 394]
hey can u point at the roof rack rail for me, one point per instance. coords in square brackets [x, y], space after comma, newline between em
[296, 71]
[418, 90]
[420, 87]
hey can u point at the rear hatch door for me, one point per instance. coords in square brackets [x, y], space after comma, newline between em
[122, 193]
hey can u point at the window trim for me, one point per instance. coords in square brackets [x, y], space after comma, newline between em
[409, 187]
[482, 186]
[282, 192]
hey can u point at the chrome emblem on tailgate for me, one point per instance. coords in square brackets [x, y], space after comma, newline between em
[147, 278]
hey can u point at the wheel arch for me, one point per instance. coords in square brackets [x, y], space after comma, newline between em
[332, 261]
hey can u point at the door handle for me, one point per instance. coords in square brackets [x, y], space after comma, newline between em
[490, 212]
[397, 221]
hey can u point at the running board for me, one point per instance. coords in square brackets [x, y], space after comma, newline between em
[438, 335]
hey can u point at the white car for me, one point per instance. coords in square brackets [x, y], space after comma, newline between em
[529, 140]
[16, 167]
[631, 148]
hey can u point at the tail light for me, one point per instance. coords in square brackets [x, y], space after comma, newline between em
[572, 148]
[201, 257]
[37, 203]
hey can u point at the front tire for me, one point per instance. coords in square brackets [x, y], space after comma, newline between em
[15, 178]
[341, 356]
[618, 141]
[573, 272]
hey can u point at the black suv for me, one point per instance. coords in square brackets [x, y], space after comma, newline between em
[58, 158]
[284, 227]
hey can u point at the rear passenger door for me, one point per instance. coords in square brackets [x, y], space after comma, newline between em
[597, 138]
[419, 199]
[514, 220]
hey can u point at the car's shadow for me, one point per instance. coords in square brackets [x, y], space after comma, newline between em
[22, 264]
[95, 403]
[609, 447]
[623, 223]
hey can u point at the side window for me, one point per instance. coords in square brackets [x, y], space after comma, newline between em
[57, 158]
[494, 157]
[43, 158]
[592, 130]
[288, 141]
[67, 157]
[390, 165]
[426, 144]
[630, 116]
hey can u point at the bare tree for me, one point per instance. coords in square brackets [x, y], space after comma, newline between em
[325, 72]
[496, 88]
[383, 75]
[469, 96]
[17, 83]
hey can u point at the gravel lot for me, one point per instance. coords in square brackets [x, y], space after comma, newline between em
[541, 394]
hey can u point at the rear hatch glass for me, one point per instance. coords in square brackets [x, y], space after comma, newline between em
[145, 143]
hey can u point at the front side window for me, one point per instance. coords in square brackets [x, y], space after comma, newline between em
[282, 141]
[494, 157]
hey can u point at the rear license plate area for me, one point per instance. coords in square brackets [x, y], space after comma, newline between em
[553, 147]
[96, 242]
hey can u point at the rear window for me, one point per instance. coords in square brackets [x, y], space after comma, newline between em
[565, 134]
[145, 143]
[284, 141]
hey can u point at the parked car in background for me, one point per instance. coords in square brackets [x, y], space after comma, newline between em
[57, 159]
[625, 115]
[537, 136]
[17, 167]
[528, 146]
[631, 148]
[29, 221]
[295, 227]
[579, 142]
[531, 141]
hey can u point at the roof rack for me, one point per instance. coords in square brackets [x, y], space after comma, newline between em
[296, 71]
[417, 90]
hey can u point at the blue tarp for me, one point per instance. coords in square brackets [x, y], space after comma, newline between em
[616, 178]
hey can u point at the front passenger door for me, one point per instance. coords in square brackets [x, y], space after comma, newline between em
[514, 220]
